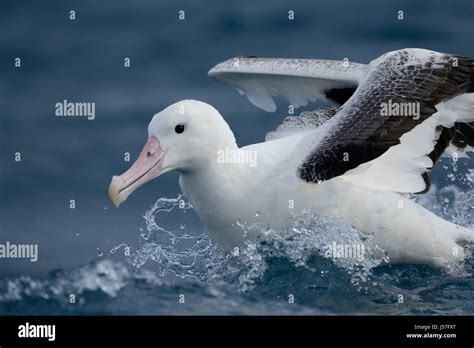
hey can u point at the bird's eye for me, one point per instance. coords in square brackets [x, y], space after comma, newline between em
[179, 128]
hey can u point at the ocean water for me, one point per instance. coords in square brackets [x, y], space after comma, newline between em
[143, 257]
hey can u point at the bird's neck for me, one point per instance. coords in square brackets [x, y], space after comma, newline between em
[217, 190]
[224, 174]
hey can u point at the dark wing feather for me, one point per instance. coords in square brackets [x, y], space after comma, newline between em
[460, 135]
[360, 132]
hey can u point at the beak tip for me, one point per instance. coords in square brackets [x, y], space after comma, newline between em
[114, 192]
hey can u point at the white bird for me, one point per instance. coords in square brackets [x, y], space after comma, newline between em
[357, 162]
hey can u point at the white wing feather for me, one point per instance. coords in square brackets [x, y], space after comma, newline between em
[296, 80]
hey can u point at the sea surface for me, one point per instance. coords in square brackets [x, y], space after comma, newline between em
[153, 256]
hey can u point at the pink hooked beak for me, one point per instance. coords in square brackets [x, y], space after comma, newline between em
[147, 167]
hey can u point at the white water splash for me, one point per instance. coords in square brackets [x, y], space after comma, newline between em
[190, 252]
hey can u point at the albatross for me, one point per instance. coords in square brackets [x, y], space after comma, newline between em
[358, 159]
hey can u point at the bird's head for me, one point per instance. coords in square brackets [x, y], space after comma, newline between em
[185, 136]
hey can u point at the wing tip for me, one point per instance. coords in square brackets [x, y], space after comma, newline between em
[213, 71]
[228, 66]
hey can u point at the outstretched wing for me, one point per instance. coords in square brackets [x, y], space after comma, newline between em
[400, 91]
[296, 80]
